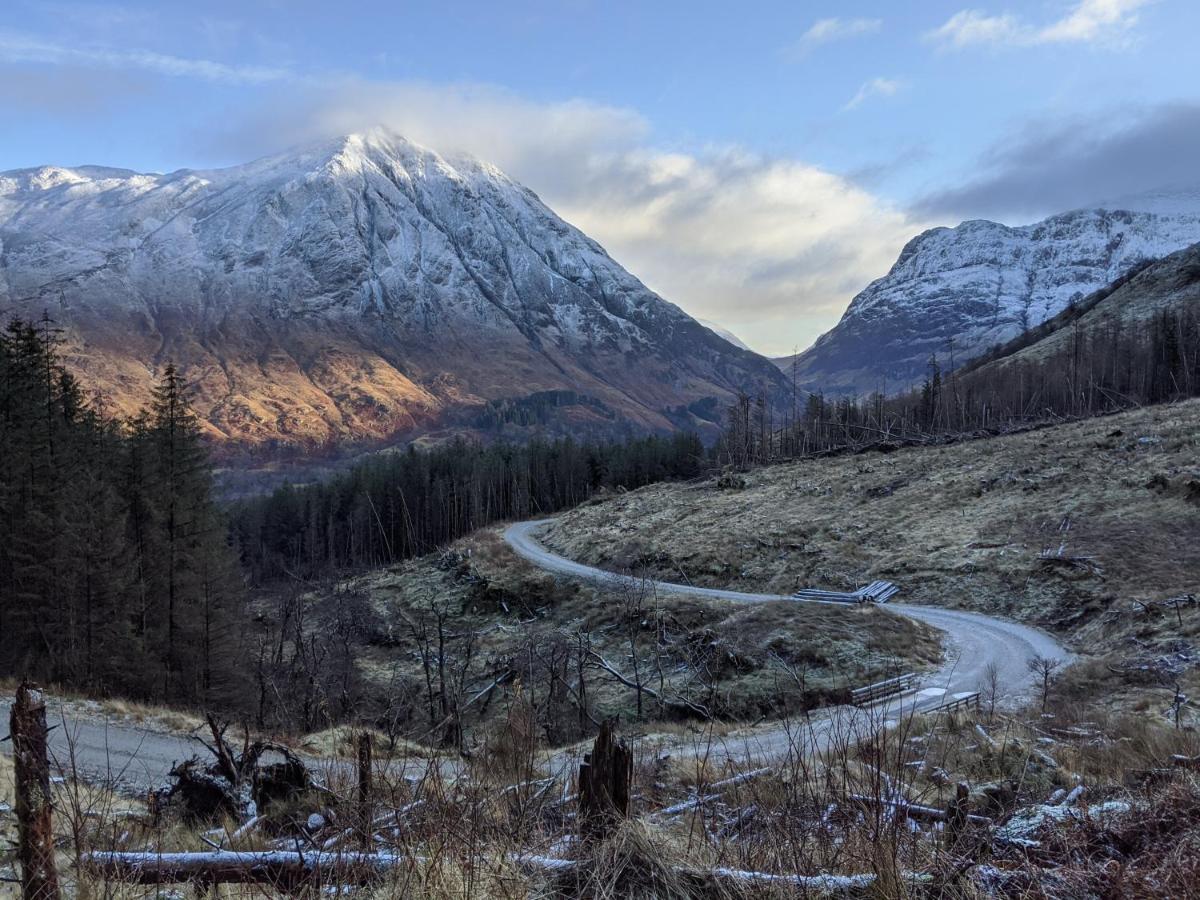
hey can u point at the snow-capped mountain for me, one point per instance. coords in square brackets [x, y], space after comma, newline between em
[361, 288]
[955, 292]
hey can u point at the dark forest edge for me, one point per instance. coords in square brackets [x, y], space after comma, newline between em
[122, 575]
[1101, 370]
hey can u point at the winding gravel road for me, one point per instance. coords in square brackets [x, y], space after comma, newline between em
[973, 642]
[134, 758]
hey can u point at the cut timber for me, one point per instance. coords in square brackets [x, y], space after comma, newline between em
[35, 828]
[604, 778]
[875, 592]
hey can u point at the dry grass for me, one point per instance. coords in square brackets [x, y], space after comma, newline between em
[962, 525]
[745, 663]
[475, 836]
[339, 742]
[154, 718]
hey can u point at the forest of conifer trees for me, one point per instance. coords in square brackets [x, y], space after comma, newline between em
[120, 574]
[402, 504]
[117, 575]
[1096, 371]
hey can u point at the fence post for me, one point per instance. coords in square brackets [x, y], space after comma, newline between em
[35, 827]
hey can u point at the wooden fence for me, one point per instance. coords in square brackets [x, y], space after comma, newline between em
[872, 692]
[960, 702]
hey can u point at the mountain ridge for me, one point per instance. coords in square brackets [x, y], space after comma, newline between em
[955, 292]
[358, 289]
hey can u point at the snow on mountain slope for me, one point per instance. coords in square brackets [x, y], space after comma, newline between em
[728, 335]
[361, 288]
[1167, 285]
[955, 292]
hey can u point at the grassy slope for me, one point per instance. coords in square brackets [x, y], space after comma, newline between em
[960, 526]
[742, 645]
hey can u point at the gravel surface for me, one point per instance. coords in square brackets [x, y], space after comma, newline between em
[136, 759]
[972, 641]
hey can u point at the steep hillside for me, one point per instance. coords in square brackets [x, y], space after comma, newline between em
[360, 289]
[1114, 502]
[956, 292]
[1172, 283]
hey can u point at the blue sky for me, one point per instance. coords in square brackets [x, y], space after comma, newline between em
[755, 164]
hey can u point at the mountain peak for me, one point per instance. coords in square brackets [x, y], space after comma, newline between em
[355, 288]
[955, 292]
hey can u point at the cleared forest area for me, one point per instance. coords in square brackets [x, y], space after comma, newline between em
[1089, 529]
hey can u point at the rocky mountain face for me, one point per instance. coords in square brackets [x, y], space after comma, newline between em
[359, 290]
[1169, 285]
[956, 292]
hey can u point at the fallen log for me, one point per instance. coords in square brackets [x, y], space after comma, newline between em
[822, 885]
[1185, 762]
[915, 810]
[283, 868]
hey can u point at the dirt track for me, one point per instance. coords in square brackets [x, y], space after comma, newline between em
[136, 759]
[973, 643]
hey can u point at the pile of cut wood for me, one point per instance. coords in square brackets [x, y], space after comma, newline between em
[875, 592]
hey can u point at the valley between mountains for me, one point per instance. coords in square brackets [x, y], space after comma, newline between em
[518, 613]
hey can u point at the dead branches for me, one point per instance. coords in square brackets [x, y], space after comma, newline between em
[678, 703]
[234, 784]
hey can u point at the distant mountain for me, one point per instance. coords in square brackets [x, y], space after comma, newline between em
[956, 292]
[356, 290]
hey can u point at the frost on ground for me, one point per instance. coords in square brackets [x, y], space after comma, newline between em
[989, 525]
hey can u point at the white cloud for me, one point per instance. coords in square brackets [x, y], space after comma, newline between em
[771, 248]
[16, 48]
[876, 87]
[825, 31]
[1089, 21]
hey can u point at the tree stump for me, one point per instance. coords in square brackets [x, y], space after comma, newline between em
[604, 779]
[35, 828]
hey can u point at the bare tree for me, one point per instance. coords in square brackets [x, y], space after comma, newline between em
[989, 686]
[1044, 668]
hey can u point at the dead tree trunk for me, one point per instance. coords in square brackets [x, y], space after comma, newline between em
[35, 828]
[364, 784]
[604, 778]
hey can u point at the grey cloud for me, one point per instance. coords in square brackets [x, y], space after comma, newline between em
[1053, 166]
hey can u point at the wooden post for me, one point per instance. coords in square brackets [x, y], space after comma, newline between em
[604, 779]
[364, 784]
[35, 828]
[957, 815]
